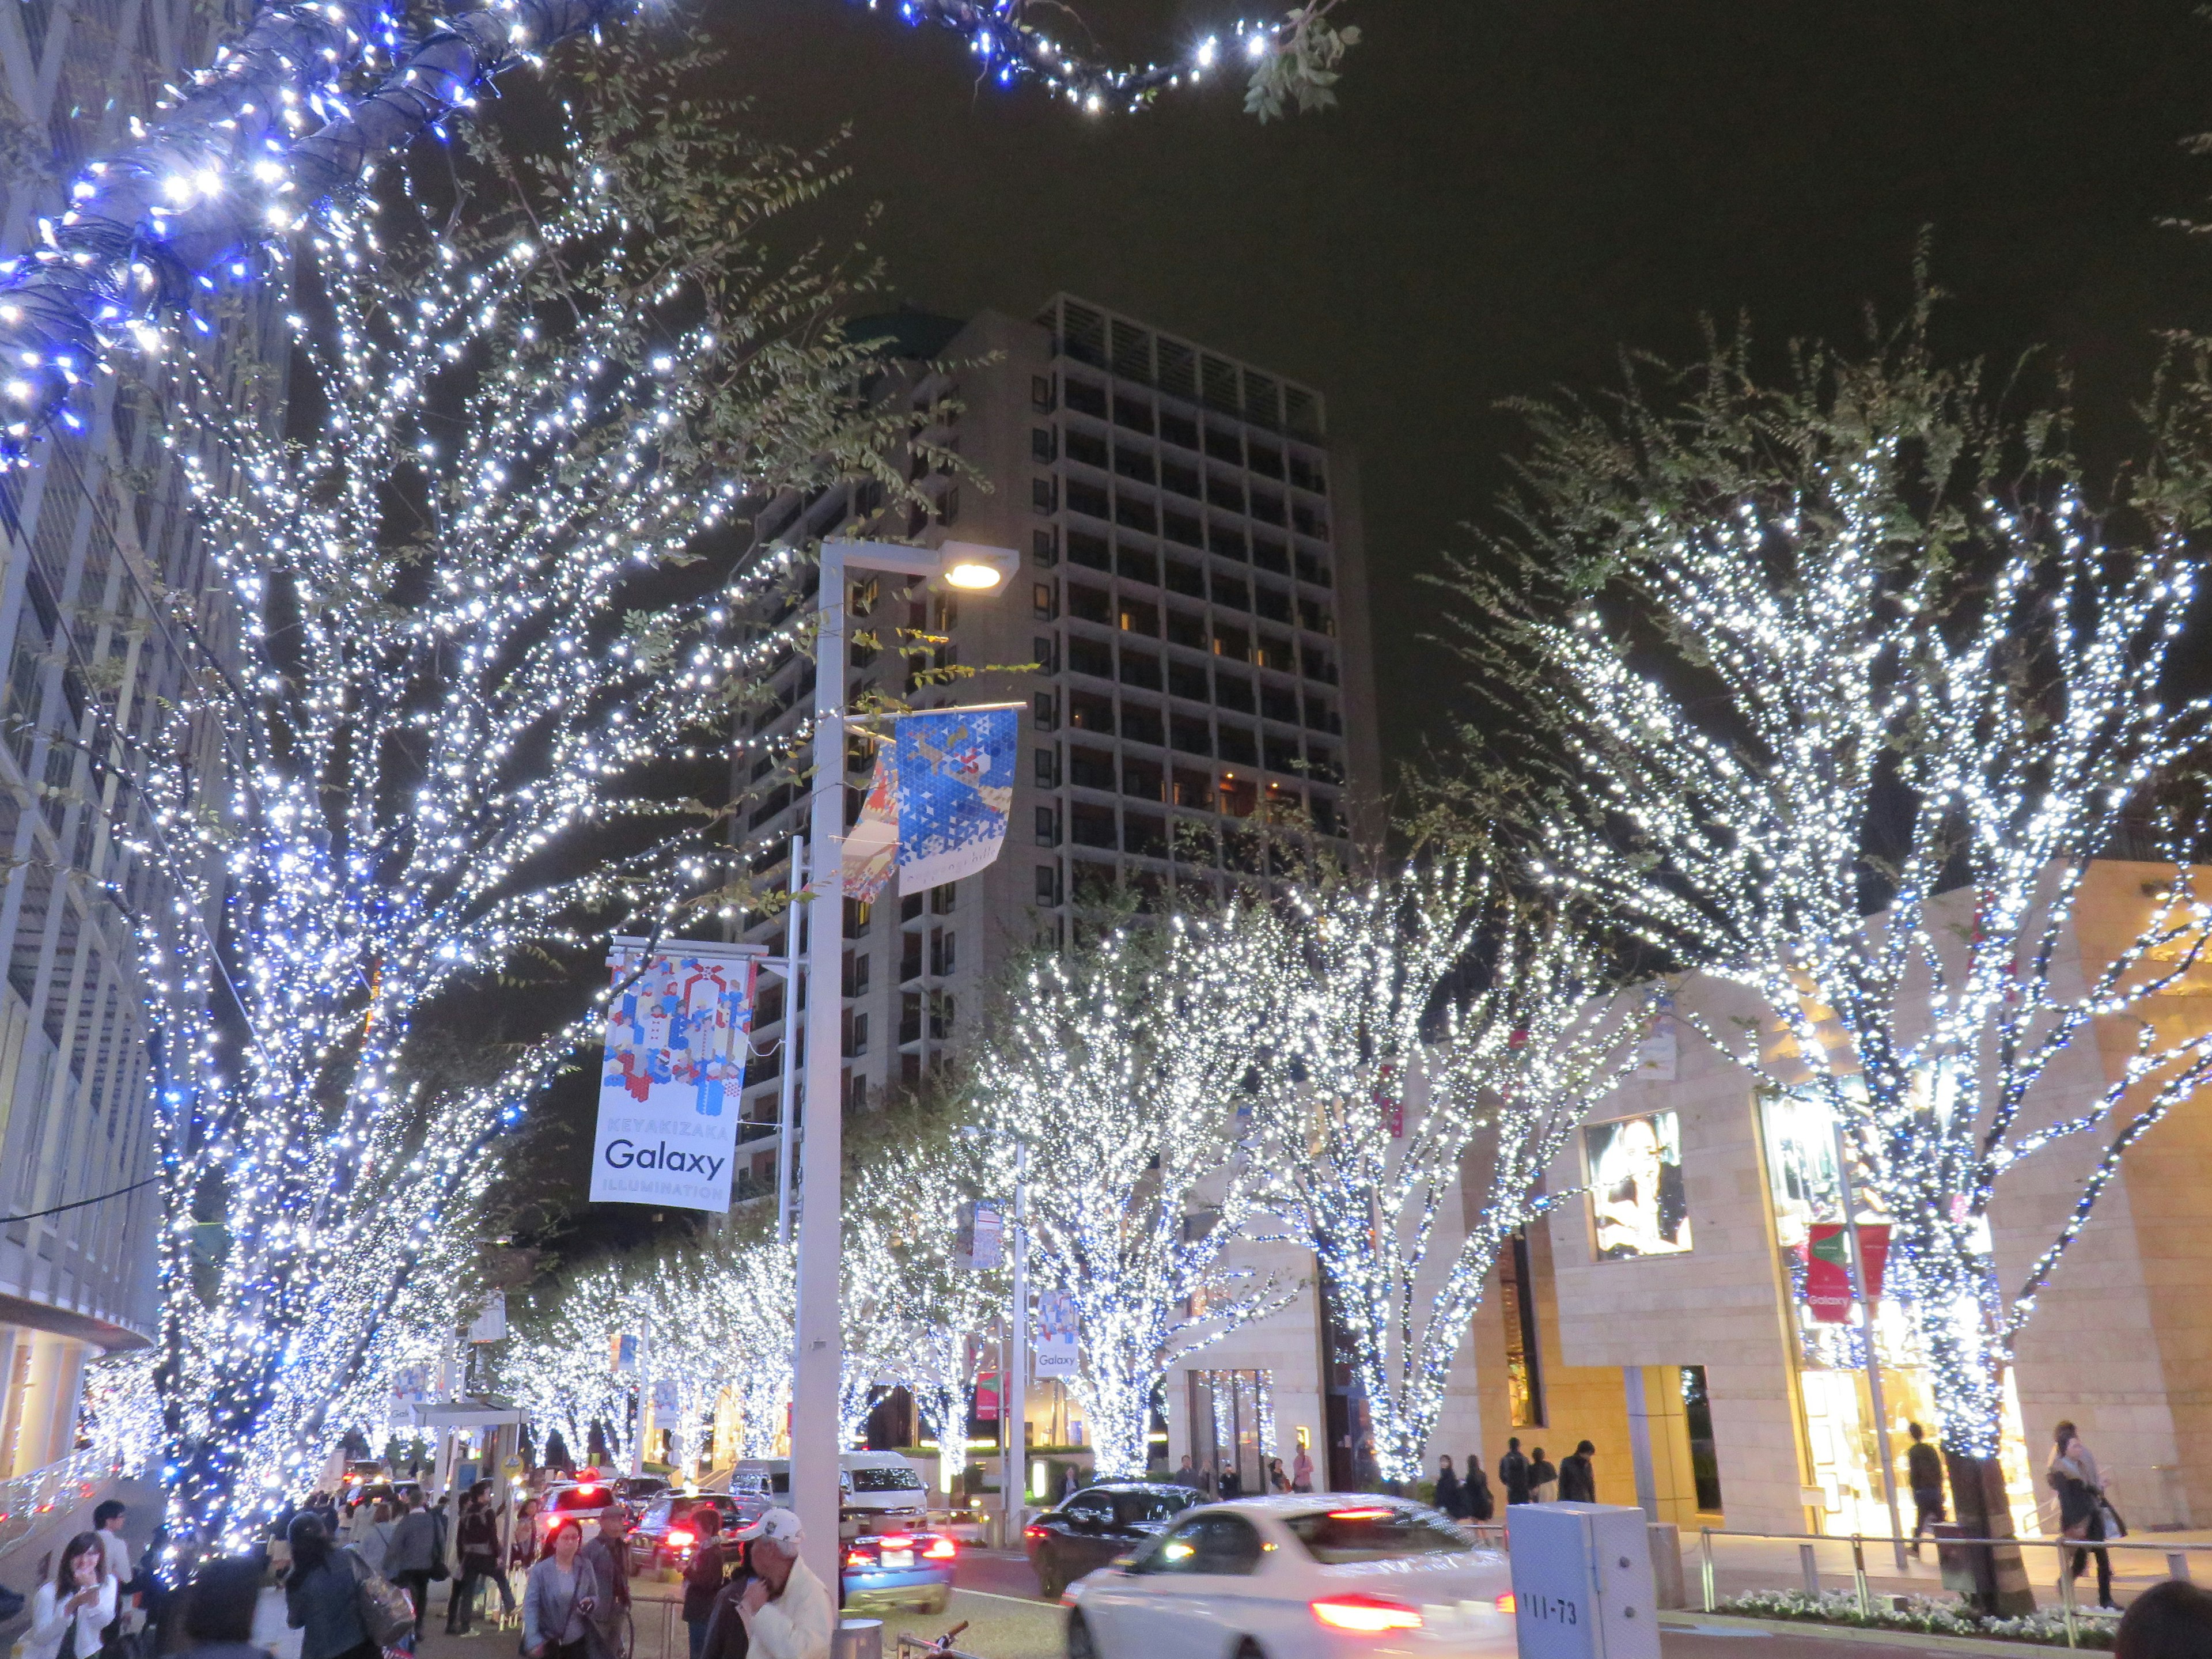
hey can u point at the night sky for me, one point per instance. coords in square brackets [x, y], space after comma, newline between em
[1512, 191]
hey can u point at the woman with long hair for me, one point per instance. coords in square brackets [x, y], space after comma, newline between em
[2073, 1473]
[73, 1607]
[321, 1595]
[564, 1592]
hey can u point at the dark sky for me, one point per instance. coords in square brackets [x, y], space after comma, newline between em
[1512, 189]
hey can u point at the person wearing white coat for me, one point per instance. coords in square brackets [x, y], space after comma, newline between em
[789, 1612]
[72, 1608]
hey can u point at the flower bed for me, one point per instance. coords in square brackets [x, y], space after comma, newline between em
[1919, 1614]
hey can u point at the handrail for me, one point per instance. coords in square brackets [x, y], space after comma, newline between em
[27, 1500]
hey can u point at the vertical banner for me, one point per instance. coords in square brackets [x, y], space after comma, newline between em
[675, 1064]
[490, 1324]
[956, 790]
[1828, 1267]
[979, 1244]
[872, 845]
[1055, 1341]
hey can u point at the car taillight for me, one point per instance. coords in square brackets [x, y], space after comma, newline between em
[895, 1540]
[940, 1549]
[854, 1558]
[1509, 1603]
[680, 1540]
[1032, 1531]
[1367, 1614]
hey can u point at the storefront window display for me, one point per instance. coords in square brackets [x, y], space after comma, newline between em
[1232, 1425]
[1832, 1330]
[1637, 1204]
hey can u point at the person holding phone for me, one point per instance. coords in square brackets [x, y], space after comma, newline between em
[564, 1592]
[72, 1608]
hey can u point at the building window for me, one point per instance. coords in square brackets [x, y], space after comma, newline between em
[1705, 1454]
[1524, 1374]
[1044, 548]
[941, 1016]
[1048, 828]
[856, 975]
[944, 953]
[1043, 449]
[1044, 498]
[1044, 709]
[859, 1095]
[859, 1045]
[944, 898]
[1041, 398]
[1048, 884]
[1048, 769]
[1046, 651]
[1044, 599]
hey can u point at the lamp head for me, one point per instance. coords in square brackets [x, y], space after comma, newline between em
[977, 569]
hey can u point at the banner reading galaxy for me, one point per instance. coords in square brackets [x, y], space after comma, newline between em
[675, 1065]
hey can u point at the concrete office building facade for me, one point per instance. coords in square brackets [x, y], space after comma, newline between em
[1187, 639]
[94, 527]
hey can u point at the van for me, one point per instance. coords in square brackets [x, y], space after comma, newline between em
[758, 1484]
[881, 1490]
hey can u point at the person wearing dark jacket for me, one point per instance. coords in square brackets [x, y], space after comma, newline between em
[1474, 1491]
[1543, 1478]
[477, 1538]
[1577, 1478]
[1513, 1470]
[218, 1608]
[702, 1576]
[1448, 1492]
[726, 1634]
[414, 1550]
[1923, 1472]
[322, 1595]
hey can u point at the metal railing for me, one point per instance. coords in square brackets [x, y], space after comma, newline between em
[2177, 1560]
[940, 1649]
[28, 1501]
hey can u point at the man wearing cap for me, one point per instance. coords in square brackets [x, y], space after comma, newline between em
[788, 1614]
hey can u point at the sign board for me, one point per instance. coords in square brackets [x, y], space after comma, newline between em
[980, 1242]
[490, 1325]
[1827, 1255]
[623, 1355]
[1581, 1581]
[664, 1395]
[1055, 1341]
[674, 1068]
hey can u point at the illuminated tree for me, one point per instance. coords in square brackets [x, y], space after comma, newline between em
[1835, 686]
[910, 1309]
[1124, 1068]
[486, 610]
[1416, 1017]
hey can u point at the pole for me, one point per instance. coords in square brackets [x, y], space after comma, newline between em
[785, 1127]
[819, 1341]
[1013, 1392]
[644, 1402]
[1872, 1361]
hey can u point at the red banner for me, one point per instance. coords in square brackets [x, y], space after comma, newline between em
[1826, 1256]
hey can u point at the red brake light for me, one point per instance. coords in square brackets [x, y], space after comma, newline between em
[854, 1558]
[586, 1492]
[895, 1540]
[1367, 1614]
[1509, 1603]
[1361, 1515]
[1032, 1531]
[944, 1549]
[680, 1540]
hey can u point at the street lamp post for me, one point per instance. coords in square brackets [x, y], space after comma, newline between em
[819, 1342]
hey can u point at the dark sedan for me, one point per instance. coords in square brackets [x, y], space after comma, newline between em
[668, 1531]
[1097, 1524]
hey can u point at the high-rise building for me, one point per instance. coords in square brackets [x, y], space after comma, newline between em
[98, 542]
[1187, 639]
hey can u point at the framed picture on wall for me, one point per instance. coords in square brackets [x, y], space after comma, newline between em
[1634, 1167]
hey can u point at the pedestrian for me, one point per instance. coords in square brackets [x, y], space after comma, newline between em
[560, 1598]
[608, 1553]
[1474, 1491]
[1366, 1471]
[2171, 1619]
[522, 1547]
[322, 1596]
[1577, 1478]
[1923, 1472]
[1513, 1470]
[1543, 1479]
[108, 1527]
[703, 1574]
[1185, 1474]
[219, 1606]
[1302, 1471]
[726, 1636]
[478, 1538]
[412, 1555]
[1448, 1498]
[2072, 1473]
[1232, 1484]
[75, 1606]
[1277, 1481]
[786, 1611]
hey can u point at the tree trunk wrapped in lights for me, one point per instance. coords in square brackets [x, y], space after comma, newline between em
[490, 599]
[1124, 1068]
[1420, 1018]
[1835, 686]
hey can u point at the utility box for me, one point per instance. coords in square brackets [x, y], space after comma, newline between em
[1581, 1581]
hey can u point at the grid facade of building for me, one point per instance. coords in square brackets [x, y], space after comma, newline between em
[1187, 639]
[95, 529]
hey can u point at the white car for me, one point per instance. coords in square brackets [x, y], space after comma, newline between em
[1330, 1576]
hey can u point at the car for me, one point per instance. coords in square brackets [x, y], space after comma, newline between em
[668, 1531]
[582, 1500]
[1097, 1524]
[636, 1490]
[911, 1569]
[1300, 1577]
